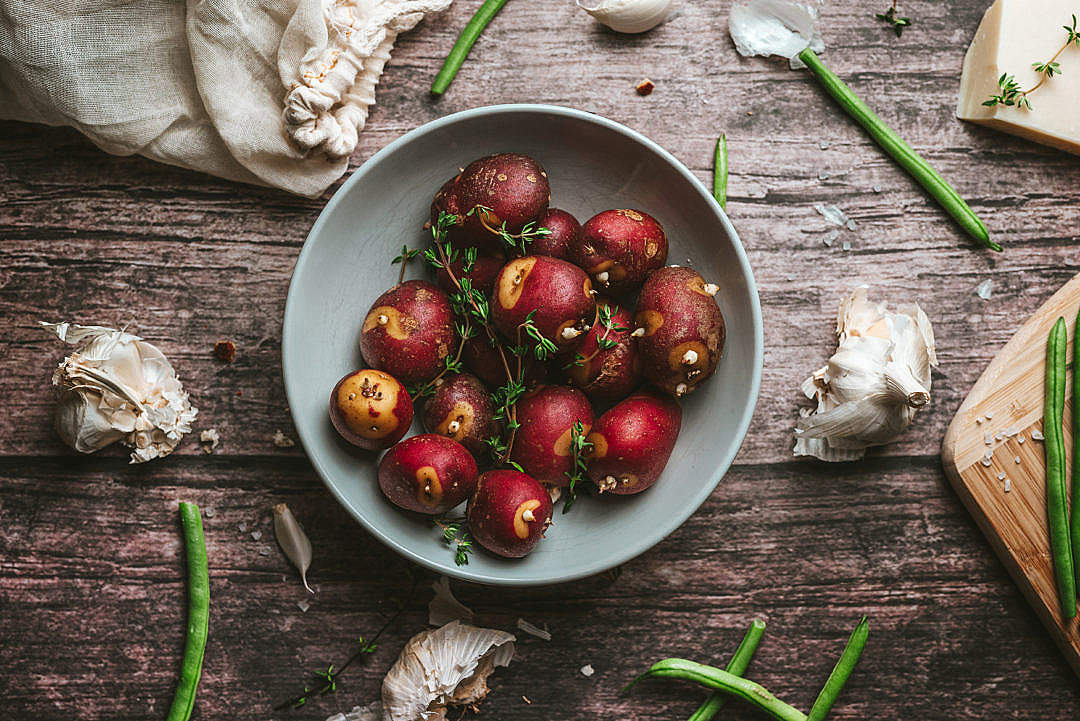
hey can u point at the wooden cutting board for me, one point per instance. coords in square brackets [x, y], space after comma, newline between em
[1007, 404]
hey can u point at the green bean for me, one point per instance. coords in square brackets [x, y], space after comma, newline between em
[712, 705]
[841, 671]
[1074, 519]
[729, 683]
[901, 152]
[464, 44]
[719, 173]
[1057, 512]
[198, 613]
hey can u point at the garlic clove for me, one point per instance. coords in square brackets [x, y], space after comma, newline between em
[293, 541]
[628, 16]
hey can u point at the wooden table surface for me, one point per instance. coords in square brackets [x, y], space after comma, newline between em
[91, 592]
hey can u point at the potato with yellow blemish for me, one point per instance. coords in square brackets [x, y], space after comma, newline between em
[509, 513]
[632, 441]
[505, 189]
[557, 293]
[619, 248]
[606, 364]
[542, 444]
[679, 329]
[371, 409]
[461, 409]
[428, 473]
[409, 332]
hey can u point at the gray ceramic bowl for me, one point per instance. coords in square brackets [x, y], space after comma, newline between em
[593, 164]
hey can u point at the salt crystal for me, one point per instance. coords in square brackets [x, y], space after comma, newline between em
[283, 441]
[846, 245]
[823, 145]
[877, 188]
[587, 670]
[242, 527]
[1001, 476]
[998, 436]
[850, 224]
[989, 415]
[264, 551]
[832, 214]
[979, 420]
[823, 175]
[1020, 440]
[985, 289]
[988, 439]
[831, 237]
[1037, 435]
[988, 459]
[1008, 485]
[303, 605]
[209, 512]
[256, 535]
[1018, 460]
[1011, 431]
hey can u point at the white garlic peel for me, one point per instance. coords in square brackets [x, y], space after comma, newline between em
[628, 16]
[774, 27]
[444, 607]
[117, 387]
[293, 541]
[873, 385]
[442, 667]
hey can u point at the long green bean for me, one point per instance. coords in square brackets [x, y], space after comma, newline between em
[712, 705]
[729, 683]
[1057, 511]
[198, 613]
[719, 175]
[841, 671]
[464, 44]
[902, 153]
[1074, 519]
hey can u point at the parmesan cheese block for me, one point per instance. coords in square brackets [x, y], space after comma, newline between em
[1014, 34]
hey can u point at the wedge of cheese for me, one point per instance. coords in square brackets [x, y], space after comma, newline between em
[1014, 34]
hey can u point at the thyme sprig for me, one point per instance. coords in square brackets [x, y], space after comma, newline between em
[456, 536]
[579, 473]
[893, 20]
[1010, 94]
[326, 681]
[516, 243]
[407, 254]
[605, 317]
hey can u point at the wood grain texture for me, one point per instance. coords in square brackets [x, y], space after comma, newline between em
[90, 571]
[979, 451]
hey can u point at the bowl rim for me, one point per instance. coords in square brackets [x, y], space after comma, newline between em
[660, 531]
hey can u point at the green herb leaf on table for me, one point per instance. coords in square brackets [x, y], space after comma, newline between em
[894, 21]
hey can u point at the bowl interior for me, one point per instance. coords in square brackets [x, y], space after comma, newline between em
[593, 164]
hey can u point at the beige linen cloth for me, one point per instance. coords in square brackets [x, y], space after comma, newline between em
[272, 92]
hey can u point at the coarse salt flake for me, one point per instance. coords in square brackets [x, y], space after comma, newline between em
[1008, 485]
[303, 605]
[587, 670]
[1037, 435]
[985, 289]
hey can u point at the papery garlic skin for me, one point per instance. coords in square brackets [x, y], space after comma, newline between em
[628, 16]
[444, 666]
[774, 27]
[117, 387]
[873, 385]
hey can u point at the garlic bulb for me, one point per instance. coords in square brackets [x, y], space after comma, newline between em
[873, 385]
[441, 667]
[628, 16]
[774, 27]
[117, 387]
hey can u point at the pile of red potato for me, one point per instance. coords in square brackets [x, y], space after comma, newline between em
[573, 285]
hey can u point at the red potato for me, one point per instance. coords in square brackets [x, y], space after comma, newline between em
[461, 409]
[482, 274]
[564, 232]
[484, 360]
[542, 444]
[428, 473]
[509, 513]
[632, 441]
[510, 187]
[611, 372]
[370, 409]
[409, 331]
[680, 329]
[559, 292]
[619, 248]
